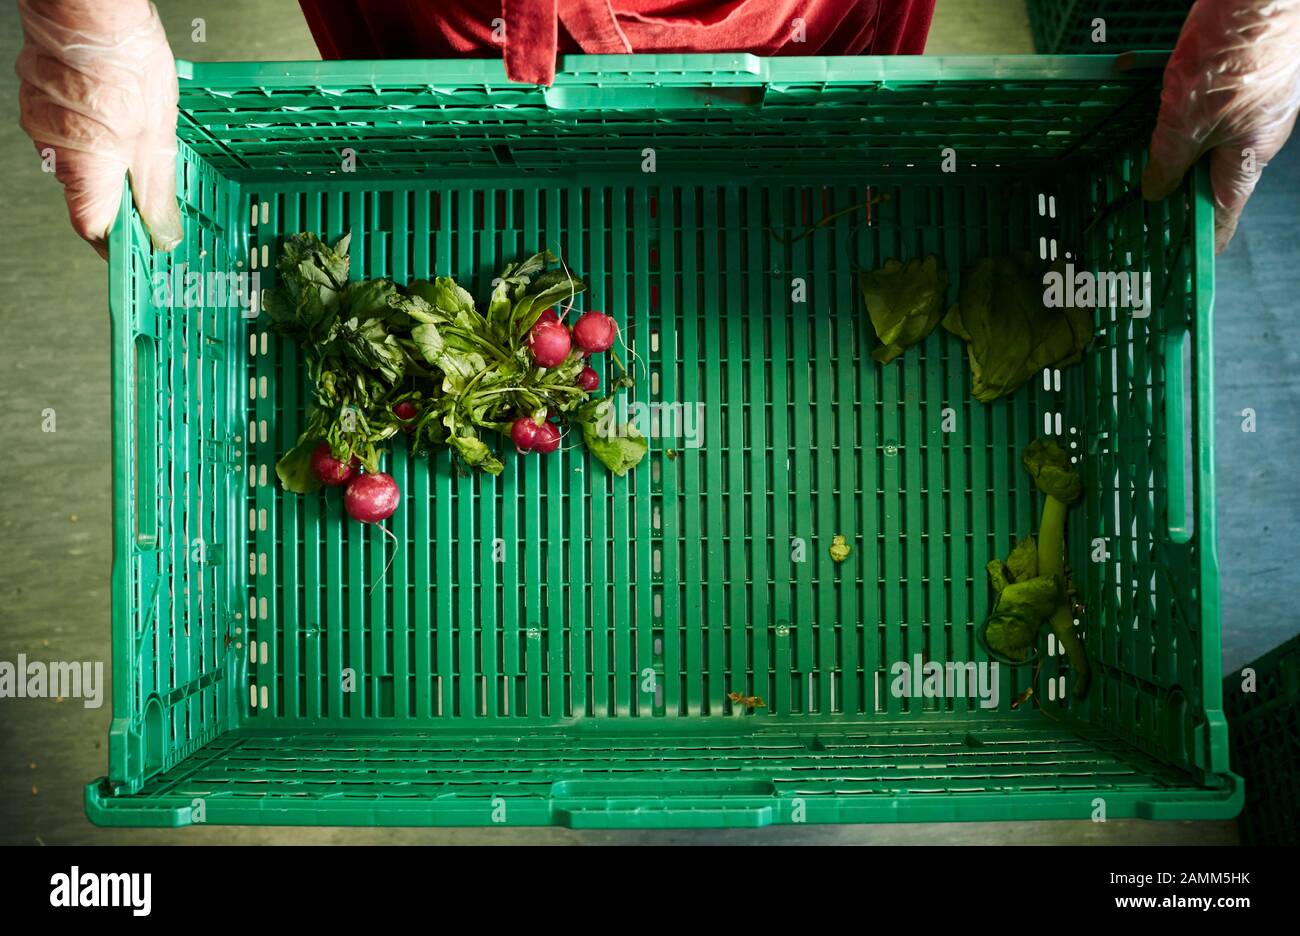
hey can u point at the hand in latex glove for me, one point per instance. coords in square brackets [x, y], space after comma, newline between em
[1233, 87]
[98, 85]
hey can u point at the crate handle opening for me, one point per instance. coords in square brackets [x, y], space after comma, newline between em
[144, 455]
[652, 802]
[601, 101]
[1178, 438]
[661, 788]
[153, 736]
[643, 817]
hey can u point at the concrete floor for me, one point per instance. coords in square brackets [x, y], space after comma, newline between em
[54, 506]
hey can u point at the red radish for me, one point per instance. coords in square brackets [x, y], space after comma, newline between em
[371, 497]
[406, 412]
[550, 315]
[588, 379]
[548, 438]
[331, 471]
[523, 432]
[550, 343]
[595, 332]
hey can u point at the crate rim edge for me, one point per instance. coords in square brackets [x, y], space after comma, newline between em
[671, 68]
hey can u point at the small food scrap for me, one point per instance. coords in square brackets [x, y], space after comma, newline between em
[750, 702]
[671, 453]
[840, 548]
[1022, 698]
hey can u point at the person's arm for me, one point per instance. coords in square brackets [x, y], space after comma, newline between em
[97, 94]
[1232, 88]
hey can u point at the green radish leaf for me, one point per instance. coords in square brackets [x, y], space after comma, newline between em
[294, 469]
[535, 264]
[474, 451]
[551, 279]
[619, 446]
[454, 356]
[498, 316]
[557, 294]
[368, 298]
[408, 309]
[522, 318]
[446, 297]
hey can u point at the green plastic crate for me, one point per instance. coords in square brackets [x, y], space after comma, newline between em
[1264, 725]
[582, 680]
[1066, 26]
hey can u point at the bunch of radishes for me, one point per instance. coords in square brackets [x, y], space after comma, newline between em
[550, 341]
[367, 497]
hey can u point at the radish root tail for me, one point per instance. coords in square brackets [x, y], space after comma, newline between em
[396, 545]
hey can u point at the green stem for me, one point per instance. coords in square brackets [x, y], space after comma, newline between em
[1051, 561]
[1062, 622]
[1051, 538]
[477, 339]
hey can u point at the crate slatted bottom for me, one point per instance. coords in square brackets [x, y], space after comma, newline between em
[550, 591]
[410, 776]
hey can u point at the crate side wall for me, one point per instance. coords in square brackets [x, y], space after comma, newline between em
[1149, 573]
[177, 409]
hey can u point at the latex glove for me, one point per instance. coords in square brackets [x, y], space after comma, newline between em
[1232, 87]
[98, 86]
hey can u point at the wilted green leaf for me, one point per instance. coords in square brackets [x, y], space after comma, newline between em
[1050, 467]
[1011, 335]
[905, 302]
[1022, 564]
[999, 578]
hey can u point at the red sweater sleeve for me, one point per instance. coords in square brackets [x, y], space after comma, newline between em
[374, 29]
